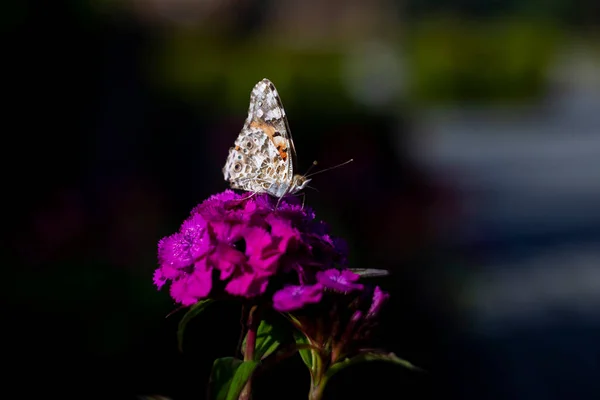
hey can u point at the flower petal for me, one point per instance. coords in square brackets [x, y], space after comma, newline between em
[340, 281]
[188, 289]
[292, 298]
[247, 285]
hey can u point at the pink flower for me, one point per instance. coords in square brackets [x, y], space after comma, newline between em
[292, 298]
[244, 242]
[379, 299]
[340, 281]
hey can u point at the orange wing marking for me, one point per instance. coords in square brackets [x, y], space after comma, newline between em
[278, 141]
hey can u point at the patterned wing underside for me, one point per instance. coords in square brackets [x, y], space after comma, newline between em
[263, 154]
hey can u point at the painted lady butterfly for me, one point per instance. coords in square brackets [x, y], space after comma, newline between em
[263, 159]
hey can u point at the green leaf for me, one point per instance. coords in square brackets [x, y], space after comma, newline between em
[305, 354]
[221, 377]
[268, 338]
[194, 311]
[369, 357]
[370, 272]
[241, 377]
[302, 340]
[229, 377]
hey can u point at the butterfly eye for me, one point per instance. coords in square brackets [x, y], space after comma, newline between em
[237, 167]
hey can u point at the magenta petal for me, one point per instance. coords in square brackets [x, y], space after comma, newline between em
[266, 249]
[171, 273]
[264, 202]
[193, 287]
[348, 276]
[159, 278]
[184, 247]
[213, 207]
[256, 240]
[295, 297]
[379, 299]
[226, 231]
[194, 229]
[267, 261]
[174, 251]
[247, 285]
[222, 197]
[263, 254]
[282, 228]
[166, 273]
[248, 210]
[227, 260]
[340, 281]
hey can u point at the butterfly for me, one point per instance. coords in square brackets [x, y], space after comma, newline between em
[263, 159]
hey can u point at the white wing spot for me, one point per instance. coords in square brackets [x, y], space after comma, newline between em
[261, 86]
[273, 114]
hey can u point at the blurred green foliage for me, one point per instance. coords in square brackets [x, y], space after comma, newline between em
[447, 60]
[197, 66]
[485, 60]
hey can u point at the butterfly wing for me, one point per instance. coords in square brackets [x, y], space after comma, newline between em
[266, 112]
[264, 154]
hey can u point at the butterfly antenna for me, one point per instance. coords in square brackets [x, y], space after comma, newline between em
[330, 168]
[314, 163]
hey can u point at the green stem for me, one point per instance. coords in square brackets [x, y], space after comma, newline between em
[246, 393]
[316, 390]
[252, 325]
[318, 380]
[251, 335]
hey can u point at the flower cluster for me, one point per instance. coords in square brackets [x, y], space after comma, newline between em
[240, 245]
[345, 321]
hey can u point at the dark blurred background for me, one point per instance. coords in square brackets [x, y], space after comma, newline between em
[475, 129]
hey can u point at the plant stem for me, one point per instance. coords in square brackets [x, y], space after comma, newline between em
[246, 393]
[318, 380]
[252, 325]
[316, 391]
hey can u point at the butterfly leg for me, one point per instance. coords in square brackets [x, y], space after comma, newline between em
[249, 197]
[239, 201]
[303, 199]
[278, 202]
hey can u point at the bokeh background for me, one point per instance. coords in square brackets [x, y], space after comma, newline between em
[475, 130]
